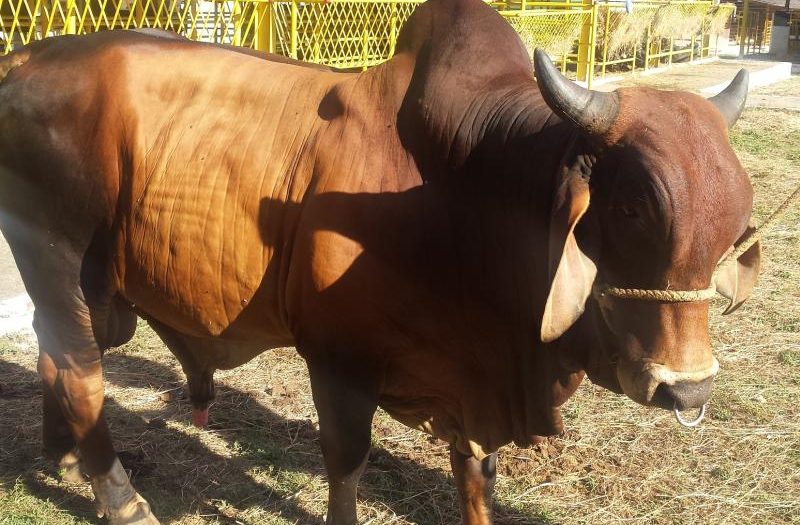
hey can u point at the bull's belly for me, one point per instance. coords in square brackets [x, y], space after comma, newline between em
[204, 273]
[204, 316]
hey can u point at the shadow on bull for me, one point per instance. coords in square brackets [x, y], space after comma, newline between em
[159, 458]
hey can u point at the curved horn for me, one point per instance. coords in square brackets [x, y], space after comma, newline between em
[589, 110]
[730, 101]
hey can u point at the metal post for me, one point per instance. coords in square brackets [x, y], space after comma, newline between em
[392, 29]
[237, 23]
[71, 19]
[43, 17]
[264, 35]
[671, 47]
[587, 44]
[743, 35]
[365, 44]
[605, 41]
[192, 31]
[293, 31]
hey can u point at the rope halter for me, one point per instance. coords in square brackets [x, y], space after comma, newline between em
[690, 296]
[666, 296]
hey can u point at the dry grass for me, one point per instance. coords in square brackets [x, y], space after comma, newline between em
[678, 21]
[626, 31]
[790, 88]
[719, 20]
[617, 463]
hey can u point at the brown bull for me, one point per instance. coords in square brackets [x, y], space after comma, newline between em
[422, 232]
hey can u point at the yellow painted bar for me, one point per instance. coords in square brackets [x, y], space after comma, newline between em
[393, 29]
[70, 18]
[293, 31]
[237, 23]
[743, 35]
[265, 36]
[586, 43]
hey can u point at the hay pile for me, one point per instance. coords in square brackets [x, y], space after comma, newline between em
[718, 20]
[622, 34]
[626, 31]
[678, 21]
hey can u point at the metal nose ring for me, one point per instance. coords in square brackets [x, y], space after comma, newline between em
[687, 422]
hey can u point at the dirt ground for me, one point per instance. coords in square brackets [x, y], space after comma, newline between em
[618, 462]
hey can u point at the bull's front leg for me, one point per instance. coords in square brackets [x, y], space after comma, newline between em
[70, 368]
[346, 397]
[475, 482]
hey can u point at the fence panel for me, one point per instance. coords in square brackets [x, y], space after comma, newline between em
[343, 33]
[585, 39]
[552, 27]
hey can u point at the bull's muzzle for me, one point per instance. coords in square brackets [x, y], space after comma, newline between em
[657, 385]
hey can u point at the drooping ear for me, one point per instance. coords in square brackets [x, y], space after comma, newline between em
[572, 273]
[737, 279]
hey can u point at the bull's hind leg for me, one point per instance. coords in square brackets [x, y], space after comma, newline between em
[71, 336]
[58, 443]
[70, 369]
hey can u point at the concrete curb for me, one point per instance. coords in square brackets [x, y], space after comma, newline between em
[666, 69]
[776, 73]
[16, 315]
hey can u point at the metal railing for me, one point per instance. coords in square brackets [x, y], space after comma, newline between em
[659, 33]
[586, 38]
[758, 31]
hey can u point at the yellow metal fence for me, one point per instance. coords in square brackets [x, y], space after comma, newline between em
[586, 38]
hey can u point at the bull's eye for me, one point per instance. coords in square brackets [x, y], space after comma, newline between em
[627, 211]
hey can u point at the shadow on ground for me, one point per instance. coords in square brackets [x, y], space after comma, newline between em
[179, 474]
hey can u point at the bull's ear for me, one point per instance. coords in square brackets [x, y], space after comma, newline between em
[737, 279]
[572, 273]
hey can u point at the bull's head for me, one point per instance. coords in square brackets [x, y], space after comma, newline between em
[668, 199]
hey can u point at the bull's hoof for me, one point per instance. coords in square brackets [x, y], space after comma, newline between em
[200, 417]
[117, 500]
[136, 512]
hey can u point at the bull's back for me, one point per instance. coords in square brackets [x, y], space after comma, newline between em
[193, 156]
[199, 160]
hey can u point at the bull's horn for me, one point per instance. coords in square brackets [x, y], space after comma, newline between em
[730, 101]
[589, 110]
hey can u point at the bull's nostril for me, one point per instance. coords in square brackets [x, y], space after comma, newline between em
[683, 395]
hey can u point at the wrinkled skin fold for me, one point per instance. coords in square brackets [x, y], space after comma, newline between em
[416, 231]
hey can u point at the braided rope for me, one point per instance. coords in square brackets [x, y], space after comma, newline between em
[667, 296]
[687, 296]
[756, 234]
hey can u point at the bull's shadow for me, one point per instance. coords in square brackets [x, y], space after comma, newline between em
[180, 474]
[176, 472]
